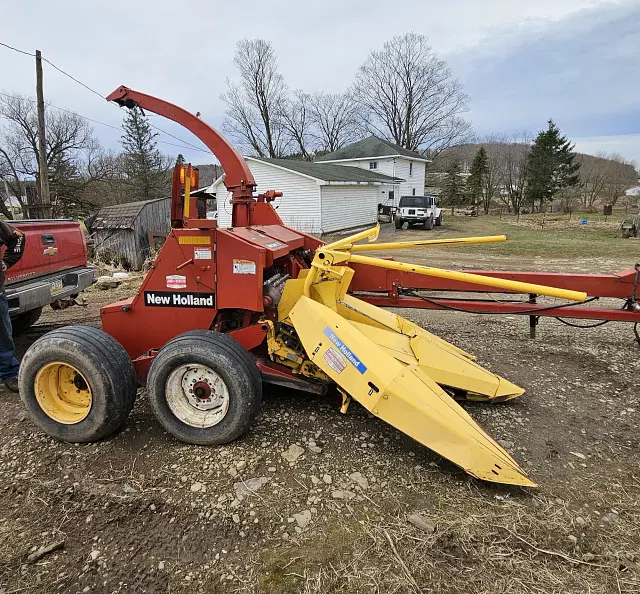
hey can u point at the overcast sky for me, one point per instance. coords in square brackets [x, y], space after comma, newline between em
[577, 61]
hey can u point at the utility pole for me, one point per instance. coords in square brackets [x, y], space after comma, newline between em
[45, 199]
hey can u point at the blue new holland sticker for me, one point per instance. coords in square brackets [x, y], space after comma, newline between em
[344, 350]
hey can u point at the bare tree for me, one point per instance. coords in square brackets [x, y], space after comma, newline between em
[621, 176]
[254, 115]
[593, 178]
[410, 96]
[18, 145]
[69, 139]
[493, 181]
[80, 185]
[12, 181]
[297, 120]
[569, 199]
[335, 119]
[605, 179]
[511, 155]
[631, 200]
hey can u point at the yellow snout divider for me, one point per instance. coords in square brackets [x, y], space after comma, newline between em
[397, 370]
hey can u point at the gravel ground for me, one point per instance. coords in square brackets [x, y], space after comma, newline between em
[315, 501]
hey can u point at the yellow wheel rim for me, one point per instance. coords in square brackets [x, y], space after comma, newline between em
[63, 393]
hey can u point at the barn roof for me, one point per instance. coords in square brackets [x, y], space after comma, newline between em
[368, 148]
[330, 173]
[120, 216]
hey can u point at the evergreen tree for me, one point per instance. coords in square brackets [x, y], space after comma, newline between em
[180, 159]
[550, 166]
[478, 175]
[143, 164]
[67, 185]
[63, 182]
[454, 186]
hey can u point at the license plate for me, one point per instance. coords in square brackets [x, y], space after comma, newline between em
[56, 286]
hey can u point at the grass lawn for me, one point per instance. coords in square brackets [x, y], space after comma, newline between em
[559, 238]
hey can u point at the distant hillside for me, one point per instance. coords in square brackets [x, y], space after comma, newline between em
[604, 179]
[465, 153]
[209, 173]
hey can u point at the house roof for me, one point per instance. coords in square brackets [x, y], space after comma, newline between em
[368, 148]
[119, 216]
[330, 173]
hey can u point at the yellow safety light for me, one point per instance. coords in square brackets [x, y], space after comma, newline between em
[182, 175]
[187, 195]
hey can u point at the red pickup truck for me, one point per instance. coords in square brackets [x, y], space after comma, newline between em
[53, 267]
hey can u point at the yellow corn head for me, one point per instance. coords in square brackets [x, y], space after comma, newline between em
[399, 372]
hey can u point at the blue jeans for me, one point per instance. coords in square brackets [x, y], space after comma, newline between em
[8, 363]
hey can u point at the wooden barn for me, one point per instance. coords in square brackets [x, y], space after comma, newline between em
[127, 232]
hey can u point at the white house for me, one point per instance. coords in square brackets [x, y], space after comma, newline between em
[10, 201]
[317, 197]
[381, 156]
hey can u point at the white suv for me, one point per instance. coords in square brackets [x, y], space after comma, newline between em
[419, 210]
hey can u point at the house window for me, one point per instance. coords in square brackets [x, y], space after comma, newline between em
[413, 192]
[373, 164]
[411, 168]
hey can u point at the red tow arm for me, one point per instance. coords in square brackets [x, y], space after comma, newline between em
[390, 288]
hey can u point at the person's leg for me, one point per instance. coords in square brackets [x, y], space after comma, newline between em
[8, 363]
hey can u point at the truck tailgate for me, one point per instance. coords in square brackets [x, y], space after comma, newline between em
[51, 246]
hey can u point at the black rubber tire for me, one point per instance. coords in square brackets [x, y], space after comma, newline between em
[227, 358]
[25, 320]
[439, 220]
[428, 224]
[399, 223]
[105, 365]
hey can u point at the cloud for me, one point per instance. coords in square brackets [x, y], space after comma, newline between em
[522, 62]
[581, 70]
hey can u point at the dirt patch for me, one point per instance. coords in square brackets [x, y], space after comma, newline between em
[141, 512]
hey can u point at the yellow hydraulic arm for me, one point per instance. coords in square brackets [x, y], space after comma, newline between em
[338, 250]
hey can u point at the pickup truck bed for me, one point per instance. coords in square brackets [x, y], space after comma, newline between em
[53, 267]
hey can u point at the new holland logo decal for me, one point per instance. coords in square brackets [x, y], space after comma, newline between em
[179, 299]
[344, 350]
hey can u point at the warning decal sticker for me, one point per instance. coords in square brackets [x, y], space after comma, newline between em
[202, 254]
[335, 360]
[244, 267]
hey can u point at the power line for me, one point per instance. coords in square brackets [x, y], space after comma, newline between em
[186, 144]
[186, 147]
[74, 79]
[15, 49]
[65, 110]
[182, 146]
[180, 139]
